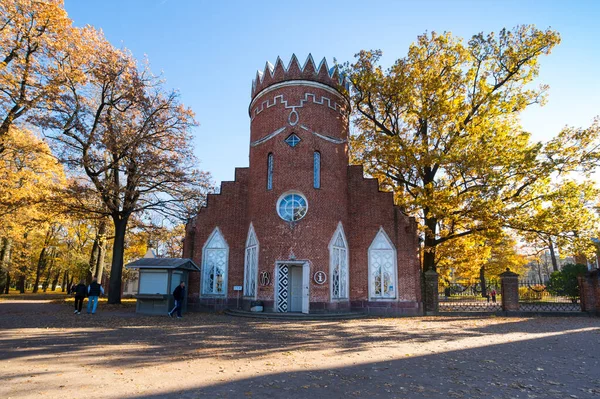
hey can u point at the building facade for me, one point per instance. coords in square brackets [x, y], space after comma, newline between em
[301, 230]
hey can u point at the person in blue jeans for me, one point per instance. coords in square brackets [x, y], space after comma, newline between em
[179, 296]
[94, 291]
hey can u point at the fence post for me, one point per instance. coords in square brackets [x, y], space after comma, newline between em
[431, 291]
[510, 290]
[589, 290]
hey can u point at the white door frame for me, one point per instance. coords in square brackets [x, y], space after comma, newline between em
[305, 283]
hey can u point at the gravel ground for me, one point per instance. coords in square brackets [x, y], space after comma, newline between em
[47, 350]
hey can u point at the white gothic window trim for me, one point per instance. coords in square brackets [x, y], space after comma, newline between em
[251, 263]
[338, 264]
[215, 264]
[383, 278]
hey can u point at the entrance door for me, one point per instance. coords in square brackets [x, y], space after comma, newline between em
[296, 289]
[305, 285]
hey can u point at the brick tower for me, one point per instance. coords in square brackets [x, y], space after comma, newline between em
[300, 230]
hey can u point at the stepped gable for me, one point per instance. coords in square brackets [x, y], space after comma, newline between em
[321, 73]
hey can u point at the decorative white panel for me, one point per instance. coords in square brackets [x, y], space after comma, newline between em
[282, 288]
[338, 259]
[215, 264]
[382, 267]
[251, 264]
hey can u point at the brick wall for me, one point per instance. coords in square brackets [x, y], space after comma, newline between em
[319, 117]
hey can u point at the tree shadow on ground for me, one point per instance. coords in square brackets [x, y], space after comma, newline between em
[534, 368]
[530, 368]
[144, 341]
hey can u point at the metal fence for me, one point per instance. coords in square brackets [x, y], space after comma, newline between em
[469, 298]
[539, 297]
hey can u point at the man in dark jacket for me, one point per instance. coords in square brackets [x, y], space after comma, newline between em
[80, 292]
[94, 291]
[179, 296]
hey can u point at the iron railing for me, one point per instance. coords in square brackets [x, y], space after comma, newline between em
[456, 297]
[539, 297]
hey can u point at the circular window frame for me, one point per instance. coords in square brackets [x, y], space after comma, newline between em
[285, 195]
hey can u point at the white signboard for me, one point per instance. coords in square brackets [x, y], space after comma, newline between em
[237, 287]
[320, 277]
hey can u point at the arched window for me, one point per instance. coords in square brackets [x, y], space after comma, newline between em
[215, 260]
[382, 267]
[251, 264]
[338, 264]
[270, 171]
[317, 169]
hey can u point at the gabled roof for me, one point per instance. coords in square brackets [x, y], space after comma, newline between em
[163, 263]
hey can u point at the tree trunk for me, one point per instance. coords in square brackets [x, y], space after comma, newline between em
[101, 253]
[40, 267]
[55, 280]
[93, 261]
[552, 255]
[116, 270]
[7, 287]
[46, 282]
[101, 256]
[96, 264]
[21, 284]
[429, 244]
[4, 259]
[4, 249]
[65, 281]
[482, 281]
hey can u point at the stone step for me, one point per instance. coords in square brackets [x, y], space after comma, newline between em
[296, 316]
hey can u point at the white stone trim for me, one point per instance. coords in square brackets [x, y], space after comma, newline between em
[282, 196]
[267, 137]
[251, 233]
[206, 247]
[381, 232]
[291, 83]
[346, 295]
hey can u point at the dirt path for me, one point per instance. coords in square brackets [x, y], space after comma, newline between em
[46, 350]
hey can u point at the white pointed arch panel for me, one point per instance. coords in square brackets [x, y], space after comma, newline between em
[251, 263]
[215, 264]
[338, 264]
[382, 267]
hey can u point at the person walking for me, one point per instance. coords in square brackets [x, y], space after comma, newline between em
[494, 295]
[179, 296]
[94, 291]
[80, 291]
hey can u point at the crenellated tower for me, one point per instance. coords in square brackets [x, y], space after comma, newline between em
[299, 144]
[300, 230]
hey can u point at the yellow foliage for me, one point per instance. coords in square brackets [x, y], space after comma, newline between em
[30, 182]
[441, 129]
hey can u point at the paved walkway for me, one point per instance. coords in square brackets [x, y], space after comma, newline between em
[47, 351]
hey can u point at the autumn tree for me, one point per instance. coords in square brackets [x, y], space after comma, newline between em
[36, 37]
[126, 140]
[31, 183]
[441, 127]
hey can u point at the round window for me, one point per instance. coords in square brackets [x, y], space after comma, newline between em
[292, 207]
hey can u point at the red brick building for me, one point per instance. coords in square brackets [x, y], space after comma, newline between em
[300, 229]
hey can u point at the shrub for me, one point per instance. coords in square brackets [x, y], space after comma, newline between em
[564, 282]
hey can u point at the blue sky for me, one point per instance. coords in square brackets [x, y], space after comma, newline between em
[210, 51]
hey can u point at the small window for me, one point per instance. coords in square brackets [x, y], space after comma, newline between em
[292, 140]
[292, 207]
[317, 170]
[270, 172]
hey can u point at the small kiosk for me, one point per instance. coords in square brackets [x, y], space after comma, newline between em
[158, 277]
